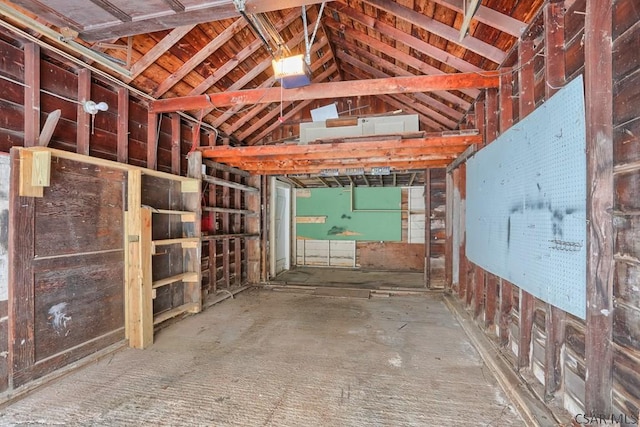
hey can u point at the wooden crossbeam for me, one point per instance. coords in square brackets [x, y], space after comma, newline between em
[344, 148]
[330, 90]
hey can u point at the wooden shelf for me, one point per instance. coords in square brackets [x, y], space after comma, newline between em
[185, 216]
[166, 315]
[186, 242]
[230, 184]
[185, 277]
[228, 210]
[209, 237]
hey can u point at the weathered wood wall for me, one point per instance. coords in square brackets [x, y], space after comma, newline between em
[66, 297]
[59, 89]
[626, 221]
[552, 348]
[5, 169]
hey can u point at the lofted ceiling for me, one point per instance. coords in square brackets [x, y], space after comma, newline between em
[185, 48]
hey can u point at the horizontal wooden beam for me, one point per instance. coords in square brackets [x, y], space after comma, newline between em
[317, 169]
[392, 85]
[347, 149]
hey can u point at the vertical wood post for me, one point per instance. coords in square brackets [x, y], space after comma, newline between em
[152, 141]
[448, 249]
[600, 204]
[253, 245]
[213, 244]
[84, 118]
[31, 94]
[527, 105]
[226, 244]
[175, 144]
[554, 79]
[192, 256]
[123, 125]
[427, 228]
[506, 288]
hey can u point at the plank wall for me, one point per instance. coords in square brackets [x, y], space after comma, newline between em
[552, 348]
[66, 298]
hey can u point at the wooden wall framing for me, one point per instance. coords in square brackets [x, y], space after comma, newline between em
[584, 366]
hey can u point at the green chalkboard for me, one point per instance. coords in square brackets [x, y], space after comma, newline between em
[373, 214]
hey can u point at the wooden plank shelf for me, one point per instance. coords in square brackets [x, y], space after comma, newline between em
[186, 242]
[228, 210]
[230, 184]
[229, 236]
[166, 315]
[185, 216]
[185, 277]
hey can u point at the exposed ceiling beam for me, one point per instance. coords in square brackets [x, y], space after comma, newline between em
[290, 112]
[391, 85]
[407, 39]
[112, 9]
[431, 144]
[270, 81]
[175, 5]
[175, 16]
[490, 17]
[404, 103]
[305, 168]
[433, 106]
[401, 56]
[158, 50]
[440, 29]
[200, 56]
[239, 57]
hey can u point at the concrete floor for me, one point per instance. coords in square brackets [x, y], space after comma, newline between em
[283, 359]
[346, 277]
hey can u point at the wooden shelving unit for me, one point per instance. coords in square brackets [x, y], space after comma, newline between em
[231, 204]
[162, 220]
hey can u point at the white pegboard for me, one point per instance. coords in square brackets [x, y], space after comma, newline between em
[526, 203]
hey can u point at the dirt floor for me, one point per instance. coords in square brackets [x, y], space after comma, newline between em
[271, 358]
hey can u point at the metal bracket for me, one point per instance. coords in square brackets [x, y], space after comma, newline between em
[240, 5]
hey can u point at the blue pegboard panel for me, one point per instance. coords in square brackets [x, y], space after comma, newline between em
[526, 203]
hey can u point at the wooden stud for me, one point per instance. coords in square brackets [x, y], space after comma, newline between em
[491, 115]
[152, 141]
[192, 230]
[213, 245]
[600, 203]
[505, 287]
[175, 144]
[84, 118]
[554, 79]
[427, 228]
[237, 228]
[31, 94]
[123, 125]
[527, 105]
[448, 257]
[491, 300]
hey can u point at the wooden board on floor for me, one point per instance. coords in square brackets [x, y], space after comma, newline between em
[342, 293]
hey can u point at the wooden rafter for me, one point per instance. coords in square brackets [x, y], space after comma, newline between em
[440, 29]
[432, 106]
[113, 10]
[269, 82]
[399, 55]
[407, 39]
[490, 17]
[239, 57]
[272, 114]
[202, 54]
[158, 50]
[330, 90]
